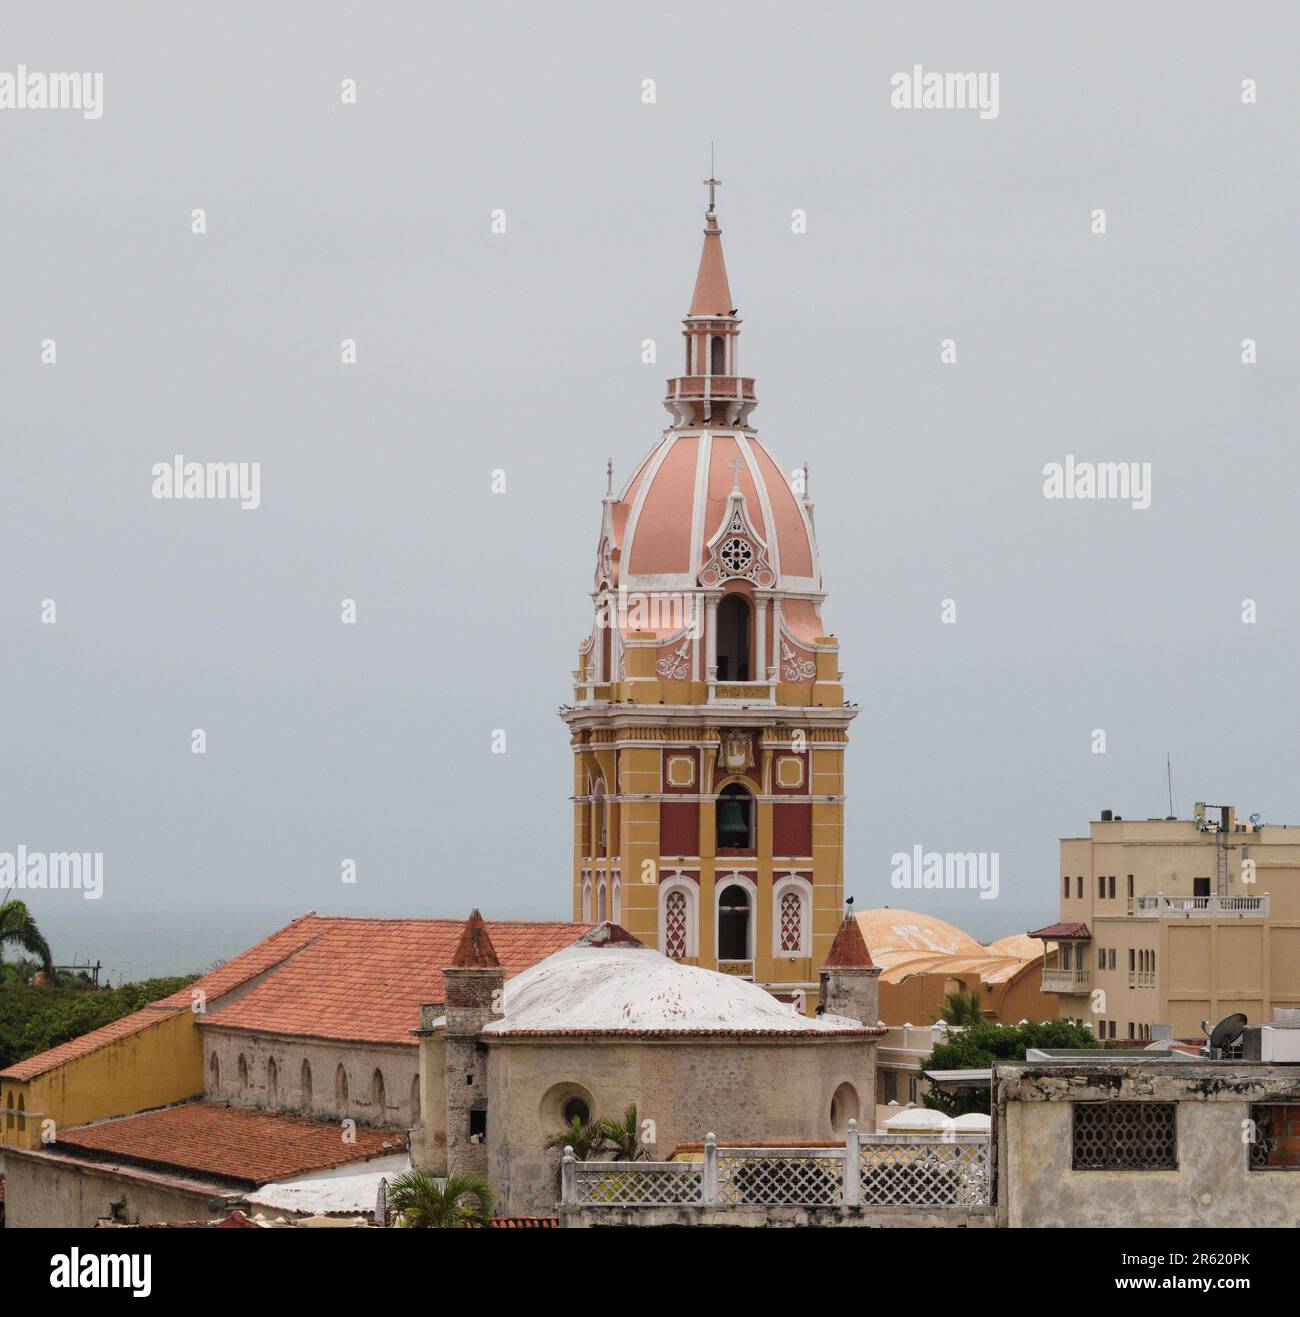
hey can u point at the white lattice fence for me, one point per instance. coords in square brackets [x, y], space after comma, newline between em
[882, 1170]
[759, 1178]
[636, 1184]
[952, 1172]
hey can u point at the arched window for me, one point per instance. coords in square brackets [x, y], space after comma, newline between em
[304, 1082]
[415, 1100]
[214, 1075]
[718, 356]
[599, 830]
[733, 638]
[341, 1090]
[377, 1101]
[734, 923]
[791, 917]
[586, 900]
[243, 1073]
[272, 1081]
[616, 902]
[9, 1110]
[677, 921]
[735, 819]
[600, 902]
[22, 1112]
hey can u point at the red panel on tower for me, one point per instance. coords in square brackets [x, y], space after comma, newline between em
[792, 828]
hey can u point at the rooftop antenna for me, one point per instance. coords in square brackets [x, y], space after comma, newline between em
[1169, 778]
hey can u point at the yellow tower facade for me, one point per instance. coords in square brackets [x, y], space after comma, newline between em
[709, 722]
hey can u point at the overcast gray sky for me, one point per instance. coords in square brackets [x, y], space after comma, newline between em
[521, 351]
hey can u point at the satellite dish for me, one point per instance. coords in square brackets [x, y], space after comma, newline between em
[1227, 1032]
[1254, 818]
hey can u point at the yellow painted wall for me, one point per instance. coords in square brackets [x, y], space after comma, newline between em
[157, 1066]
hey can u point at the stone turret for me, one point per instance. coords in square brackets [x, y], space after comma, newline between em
[474, 982]
[849, 981]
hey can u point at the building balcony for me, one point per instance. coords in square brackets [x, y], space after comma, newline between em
[720, 388]
[692, 399]
[1067, 980]
[1199, 907]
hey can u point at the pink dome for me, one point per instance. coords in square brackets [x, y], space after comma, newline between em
[677, 501]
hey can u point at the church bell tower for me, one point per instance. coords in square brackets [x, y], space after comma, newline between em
[709, 723]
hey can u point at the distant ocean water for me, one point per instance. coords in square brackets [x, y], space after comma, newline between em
[150, 941]
[142, 942]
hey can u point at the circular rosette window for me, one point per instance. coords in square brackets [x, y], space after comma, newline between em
[736, 555]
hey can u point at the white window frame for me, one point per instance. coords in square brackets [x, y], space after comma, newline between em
[804, 888]
[616, 901]
[692, 893]
[586, 900]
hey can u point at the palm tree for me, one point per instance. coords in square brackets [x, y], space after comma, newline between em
[623, 1136]
[17, 925]
[961, 1008]
[418, 1201]
[584, 1138]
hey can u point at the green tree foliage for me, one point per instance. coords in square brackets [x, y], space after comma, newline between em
[623, 1137]
[978, 1046]
[584, 1138]
[961, 1008]
[420, 1202]
[18, 928]
[35, 1019]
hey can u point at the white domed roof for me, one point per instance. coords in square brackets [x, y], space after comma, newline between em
[626, 987]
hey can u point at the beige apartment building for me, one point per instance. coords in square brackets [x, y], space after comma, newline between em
[1174, 921]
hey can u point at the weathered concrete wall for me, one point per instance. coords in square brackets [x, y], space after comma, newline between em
[877, 1218]
[398, 1065]
[764, 1090]
[1213, 1185]
[40, 1191]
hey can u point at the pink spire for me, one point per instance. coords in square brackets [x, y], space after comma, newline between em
[712, 296]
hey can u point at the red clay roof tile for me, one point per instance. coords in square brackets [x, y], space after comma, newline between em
[475, 949]
[363, 980]
[229, 1143]
[849, 950]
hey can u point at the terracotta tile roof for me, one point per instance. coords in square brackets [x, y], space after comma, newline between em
[849, 950]
[475, 949]
[523, 1223]
[363, 980]
[342, 978]
[228, 1143]
[1067, 932]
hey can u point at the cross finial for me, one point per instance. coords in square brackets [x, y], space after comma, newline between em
[609, 476]
[711, 182]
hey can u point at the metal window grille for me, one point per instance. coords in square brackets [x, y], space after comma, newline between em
[791, 921]
[1125, 1136]
[675, 925]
